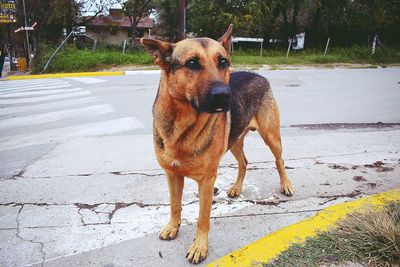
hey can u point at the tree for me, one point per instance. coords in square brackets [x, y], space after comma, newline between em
[52, 16]
[136, 10]
[211, 18]
[167, 17]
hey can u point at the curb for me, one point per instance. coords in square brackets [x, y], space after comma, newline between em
[133, 72]
[271, 245]
[64, 75]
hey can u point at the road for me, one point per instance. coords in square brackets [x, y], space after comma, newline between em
[80, 186]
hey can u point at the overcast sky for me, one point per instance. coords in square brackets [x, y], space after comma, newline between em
[91, 6]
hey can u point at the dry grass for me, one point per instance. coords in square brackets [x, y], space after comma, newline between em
[371, 238]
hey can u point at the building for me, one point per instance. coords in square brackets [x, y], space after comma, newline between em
[116, 27]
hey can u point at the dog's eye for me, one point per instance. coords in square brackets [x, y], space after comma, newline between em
[192, 64]
[223, 63]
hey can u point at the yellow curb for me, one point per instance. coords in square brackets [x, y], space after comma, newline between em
[270, 246]
[63, 75]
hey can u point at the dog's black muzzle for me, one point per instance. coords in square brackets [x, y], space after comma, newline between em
[218, 99]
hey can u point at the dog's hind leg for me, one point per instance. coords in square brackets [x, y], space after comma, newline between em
[268, 123]
[175, 184]
[237, 151]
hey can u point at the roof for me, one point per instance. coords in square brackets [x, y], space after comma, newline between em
[122, 21]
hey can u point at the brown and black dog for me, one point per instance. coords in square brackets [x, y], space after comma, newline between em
[202, 110]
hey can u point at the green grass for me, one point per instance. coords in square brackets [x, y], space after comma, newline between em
[371, 238]
[354, 54]
[74, 60]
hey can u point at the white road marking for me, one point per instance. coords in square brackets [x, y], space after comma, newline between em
[40, 92]
[87, 80]
[29, 84]
[133, 72]
[109, 127]
[54, 86]
[18, 82]
[56, 116]
[42, 98]
[38, 107]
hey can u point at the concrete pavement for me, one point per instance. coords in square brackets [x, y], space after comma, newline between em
[80, 184]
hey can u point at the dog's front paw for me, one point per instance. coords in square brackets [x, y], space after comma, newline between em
[234, 190]
[169, 232]
[287, 189]
[197, 251]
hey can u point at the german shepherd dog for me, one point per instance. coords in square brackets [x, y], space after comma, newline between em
[202, 110]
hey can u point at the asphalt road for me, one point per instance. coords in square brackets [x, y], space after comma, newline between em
[79, 183]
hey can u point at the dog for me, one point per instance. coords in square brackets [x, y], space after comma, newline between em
[202, 110]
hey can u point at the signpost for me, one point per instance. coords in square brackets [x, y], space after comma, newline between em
[76, 31]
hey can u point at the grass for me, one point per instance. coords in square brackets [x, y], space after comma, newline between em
[371, 238]
[74, 60]
[355, 54]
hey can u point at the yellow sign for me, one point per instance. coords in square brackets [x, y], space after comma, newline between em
[8, 9]
[8, 6]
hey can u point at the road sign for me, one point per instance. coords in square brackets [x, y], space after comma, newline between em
[8, 10]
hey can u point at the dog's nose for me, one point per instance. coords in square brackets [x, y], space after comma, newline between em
[220, 92]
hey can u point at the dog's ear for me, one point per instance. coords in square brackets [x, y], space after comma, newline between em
[159, 50]
[226, 39]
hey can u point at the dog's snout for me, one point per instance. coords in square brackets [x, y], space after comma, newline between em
[219, 96]
[217, 99]
[220, 92]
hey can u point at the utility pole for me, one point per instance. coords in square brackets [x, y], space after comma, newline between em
[10, 48]
[28, 57]
[182, 19]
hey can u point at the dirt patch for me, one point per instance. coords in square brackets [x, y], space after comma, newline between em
[338, 167]
[372, 185]
[359, 178]
[379, 167]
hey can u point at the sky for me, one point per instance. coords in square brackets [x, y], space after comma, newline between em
[91, 6]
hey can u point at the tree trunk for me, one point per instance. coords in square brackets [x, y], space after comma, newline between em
[286, 23]
[296, 9]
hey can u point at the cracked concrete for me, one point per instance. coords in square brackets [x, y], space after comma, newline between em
[73, 195]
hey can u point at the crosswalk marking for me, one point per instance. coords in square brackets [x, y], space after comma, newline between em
[40, 92]
[87, 80]
[56, 116]
[26, 88]
[26, 104]
[30, 84]
[107, 127]
[42, 98]
[39, 107]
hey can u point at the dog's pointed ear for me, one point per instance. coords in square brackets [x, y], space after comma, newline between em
[226, 39]
[159, 50]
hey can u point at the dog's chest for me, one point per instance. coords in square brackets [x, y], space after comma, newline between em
[183, 165]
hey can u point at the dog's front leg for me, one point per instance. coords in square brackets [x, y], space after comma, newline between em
[175, 184]
[199, 248]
